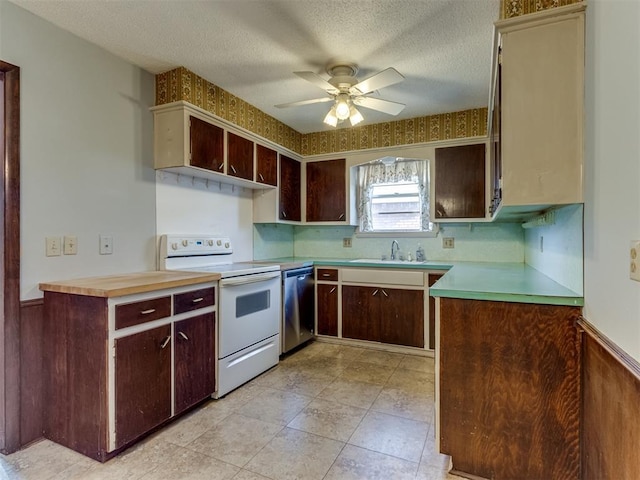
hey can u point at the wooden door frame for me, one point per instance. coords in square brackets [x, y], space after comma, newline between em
[10, 261]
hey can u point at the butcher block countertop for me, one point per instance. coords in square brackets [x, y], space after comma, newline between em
[128, 284]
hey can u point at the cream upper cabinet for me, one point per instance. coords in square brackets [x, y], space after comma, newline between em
[541, 81]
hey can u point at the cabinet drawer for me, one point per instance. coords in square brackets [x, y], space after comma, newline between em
[129, 314]
[185, 302]
[327, 274]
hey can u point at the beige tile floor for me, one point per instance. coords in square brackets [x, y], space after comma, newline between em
[325, 412]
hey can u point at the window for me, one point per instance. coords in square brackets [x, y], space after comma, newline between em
[393, 196]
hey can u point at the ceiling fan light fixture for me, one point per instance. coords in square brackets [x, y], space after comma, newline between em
[342, 107]
[355, 117]
[331, 118]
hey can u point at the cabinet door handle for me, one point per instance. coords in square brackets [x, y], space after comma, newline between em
[332, 290]
[374, 293]
[341, 216]
[384, 293]
[221, 166]
[233, 168]
[165, 342]
[261, 177]
[197, 300]
[284, 214]
[326, 274]
[147, 312]
[183, 335]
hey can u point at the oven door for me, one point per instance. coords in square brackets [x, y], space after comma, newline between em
[249, 311]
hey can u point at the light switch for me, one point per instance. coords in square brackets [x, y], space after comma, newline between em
[70, 246]
[634, 261]
[106, 244]
[53, 246]
[448, 242]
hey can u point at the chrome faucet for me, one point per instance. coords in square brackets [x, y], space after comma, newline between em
[393, 254]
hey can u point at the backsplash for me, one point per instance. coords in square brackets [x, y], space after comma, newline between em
[560, 255]
[480, 242]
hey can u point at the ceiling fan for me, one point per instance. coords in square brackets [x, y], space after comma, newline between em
[346, 92]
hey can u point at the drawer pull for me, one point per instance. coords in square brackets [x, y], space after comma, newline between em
[197, 300]
[332, 290]
[374, 293]
[165, 342]
[233, 168]
[183, 335]
[147, 312]
[261, 177]
[326, 274]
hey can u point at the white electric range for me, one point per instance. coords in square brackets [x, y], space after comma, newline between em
[249, 305]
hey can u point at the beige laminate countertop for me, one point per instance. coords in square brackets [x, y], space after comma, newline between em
[128, 284]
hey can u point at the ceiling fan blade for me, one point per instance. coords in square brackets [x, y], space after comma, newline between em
[385, 106]
[380, 80]
[318, 81]
[304, 102]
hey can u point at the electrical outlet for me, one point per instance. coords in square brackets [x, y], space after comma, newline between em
[70, 245]
[634, 267]
[346, 242]
[53, 246]
[106, 244]
[448, 242]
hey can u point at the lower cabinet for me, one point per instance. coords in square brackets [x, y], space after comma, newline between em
[143, 382]
[387, 315]
[327, 302]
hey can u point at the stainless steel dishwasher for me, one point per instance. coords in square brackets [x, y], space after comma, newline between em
[298, 307]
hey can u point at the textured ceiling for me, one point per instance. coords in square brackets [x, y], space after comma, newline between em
[251, 47]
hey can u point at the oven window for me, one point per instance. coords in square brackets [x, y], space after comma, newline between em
[252, 303]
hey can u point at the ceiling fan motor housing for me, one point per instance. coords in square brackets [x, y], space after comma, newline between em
[343, 75]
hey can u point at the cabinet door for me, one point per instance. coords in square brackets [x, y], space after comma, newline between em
[326, 191]
[460, 182]
[143, 382]
[360, 313]
[327, 301]
[267, 170]
[289, 189]
[207, 145]
[239, 156]
[494, 145]
[194, 360]
[402, 317]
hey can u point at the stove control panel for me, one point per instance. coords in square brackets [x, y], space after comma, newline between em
[189, 245]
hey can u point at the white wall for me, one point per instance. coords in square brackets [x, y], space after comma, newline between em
[86, 152]
[187, 205]
[612, 174]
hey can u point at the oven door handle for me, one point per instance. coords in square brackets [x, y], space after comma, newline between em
[247, 279]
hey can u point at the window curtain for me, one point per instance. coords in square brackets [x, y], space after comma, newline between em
[400, 171]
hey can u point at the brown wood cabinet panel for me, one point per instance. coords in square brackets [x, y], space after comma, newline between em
[143, 382]
[460, 182]
[328, 274]
[267, 165]
[327, 302]
[188, 301]
[510, 389]
[207, 145]
[289, 189]
[326, 191]
[32, 402]
[433, 278]
[75, 372]
[360, 318]
[239, 156]
[402, 317]
[129, 314]
[194, 360]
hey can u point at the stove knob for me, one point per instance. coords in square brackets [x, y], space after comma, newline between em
[185, 243]
[219, 242]
[174, 246]
[226, 245]
[210, 242]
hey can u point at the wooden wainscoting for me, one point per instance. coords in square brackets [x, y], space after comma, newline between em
[610, 409]
[31, 374]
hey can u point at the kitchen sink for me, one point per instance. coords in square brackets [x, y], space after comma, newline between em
[377, 260]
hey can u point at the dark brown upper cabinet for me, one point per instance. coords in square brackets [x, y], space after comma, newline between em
[267, 166]
[289, 189]
[326, 191]
[460, 182]
[207, 145]
[239, 156]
